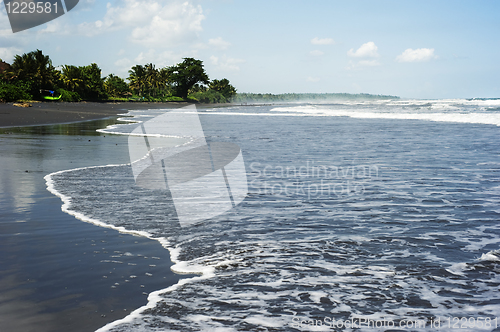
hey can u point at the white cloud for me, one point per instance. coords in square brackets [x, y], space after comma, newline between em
[173, 24]
[125, 62]
[5, 32]
[225, 63]
[418, 55]
[54, 27]
[123, 66]
[219, 43]
[85, 5]
[316, 53]
[367, 50]
[162, 59]
[154, 23]
[322, 41]
[7, 53]
[5, 29]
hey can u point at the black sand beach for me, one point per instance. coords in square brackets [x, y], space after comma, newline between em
[59, 273]
[61, 112]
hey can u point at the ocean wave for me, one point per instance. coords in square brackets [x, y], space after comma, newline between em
[457, 116]
[180, 267]
[419, 242]
[245, 268]
[491, 256]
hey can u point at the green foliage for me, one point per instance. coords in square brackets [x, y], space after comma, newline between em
[185, 75]
[219, 91]
[198, 88]
[149, 82]
[69, 96]
[137, 79]
[152, 78]
[14, 92]
[72, 78]
[223, 87]
[85, 80]
[122, 99]
[115, 86]
[32, 75]
[94, 84]
[173, 98]
[157, 84]
[36, 68]
[209, 97]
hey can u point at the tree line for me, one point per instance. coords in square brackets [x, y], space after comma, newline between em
[32, 76]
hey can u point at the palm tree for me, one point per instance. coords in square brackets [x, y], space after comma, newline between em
[93, 82]
[164, 80]
[35, 69]
[115, 86]
[72, 78]
[151, 80]
[137, 78]
[223, 87]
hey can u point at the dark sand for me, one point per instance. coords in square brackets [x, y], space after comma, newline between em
[57, 273]
[61, 112]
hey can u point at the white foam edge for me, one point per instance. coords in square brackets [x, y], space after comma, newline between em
[433, 117]
[153, 299]
[179, 267]
[138, 134]
[491, 256]
[131, 119]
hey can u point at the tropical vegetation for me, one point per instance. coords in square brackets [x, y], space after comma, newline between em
[33, 76]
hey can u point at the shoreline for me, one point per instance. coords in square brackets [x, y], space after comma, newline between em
[183, 274]
[72, 280]
[48, 113]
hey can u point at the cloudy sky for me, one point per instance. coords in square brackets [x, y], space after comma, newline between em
[413, 49]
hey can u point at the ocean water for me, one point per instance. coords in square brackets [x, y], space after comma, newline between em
[379, 215]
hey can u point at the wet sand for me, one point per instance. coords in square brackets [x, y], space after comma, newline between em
[58, 273]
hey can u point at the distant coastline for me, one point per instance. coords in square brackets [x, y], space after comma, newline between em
[33, 113]
[313, 97]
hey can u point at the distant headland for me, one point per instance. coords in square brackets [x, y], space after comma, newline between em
[306, 97]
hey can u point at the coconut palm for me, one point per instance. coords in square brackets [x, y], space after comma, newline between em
[72, 78]
[223, 87]
[137, 79]
[151, 80]
[34, 68]
[164, 80]
[115, 86]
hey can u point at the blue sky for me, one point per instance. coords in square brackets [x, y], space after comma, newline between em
[413, 49]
